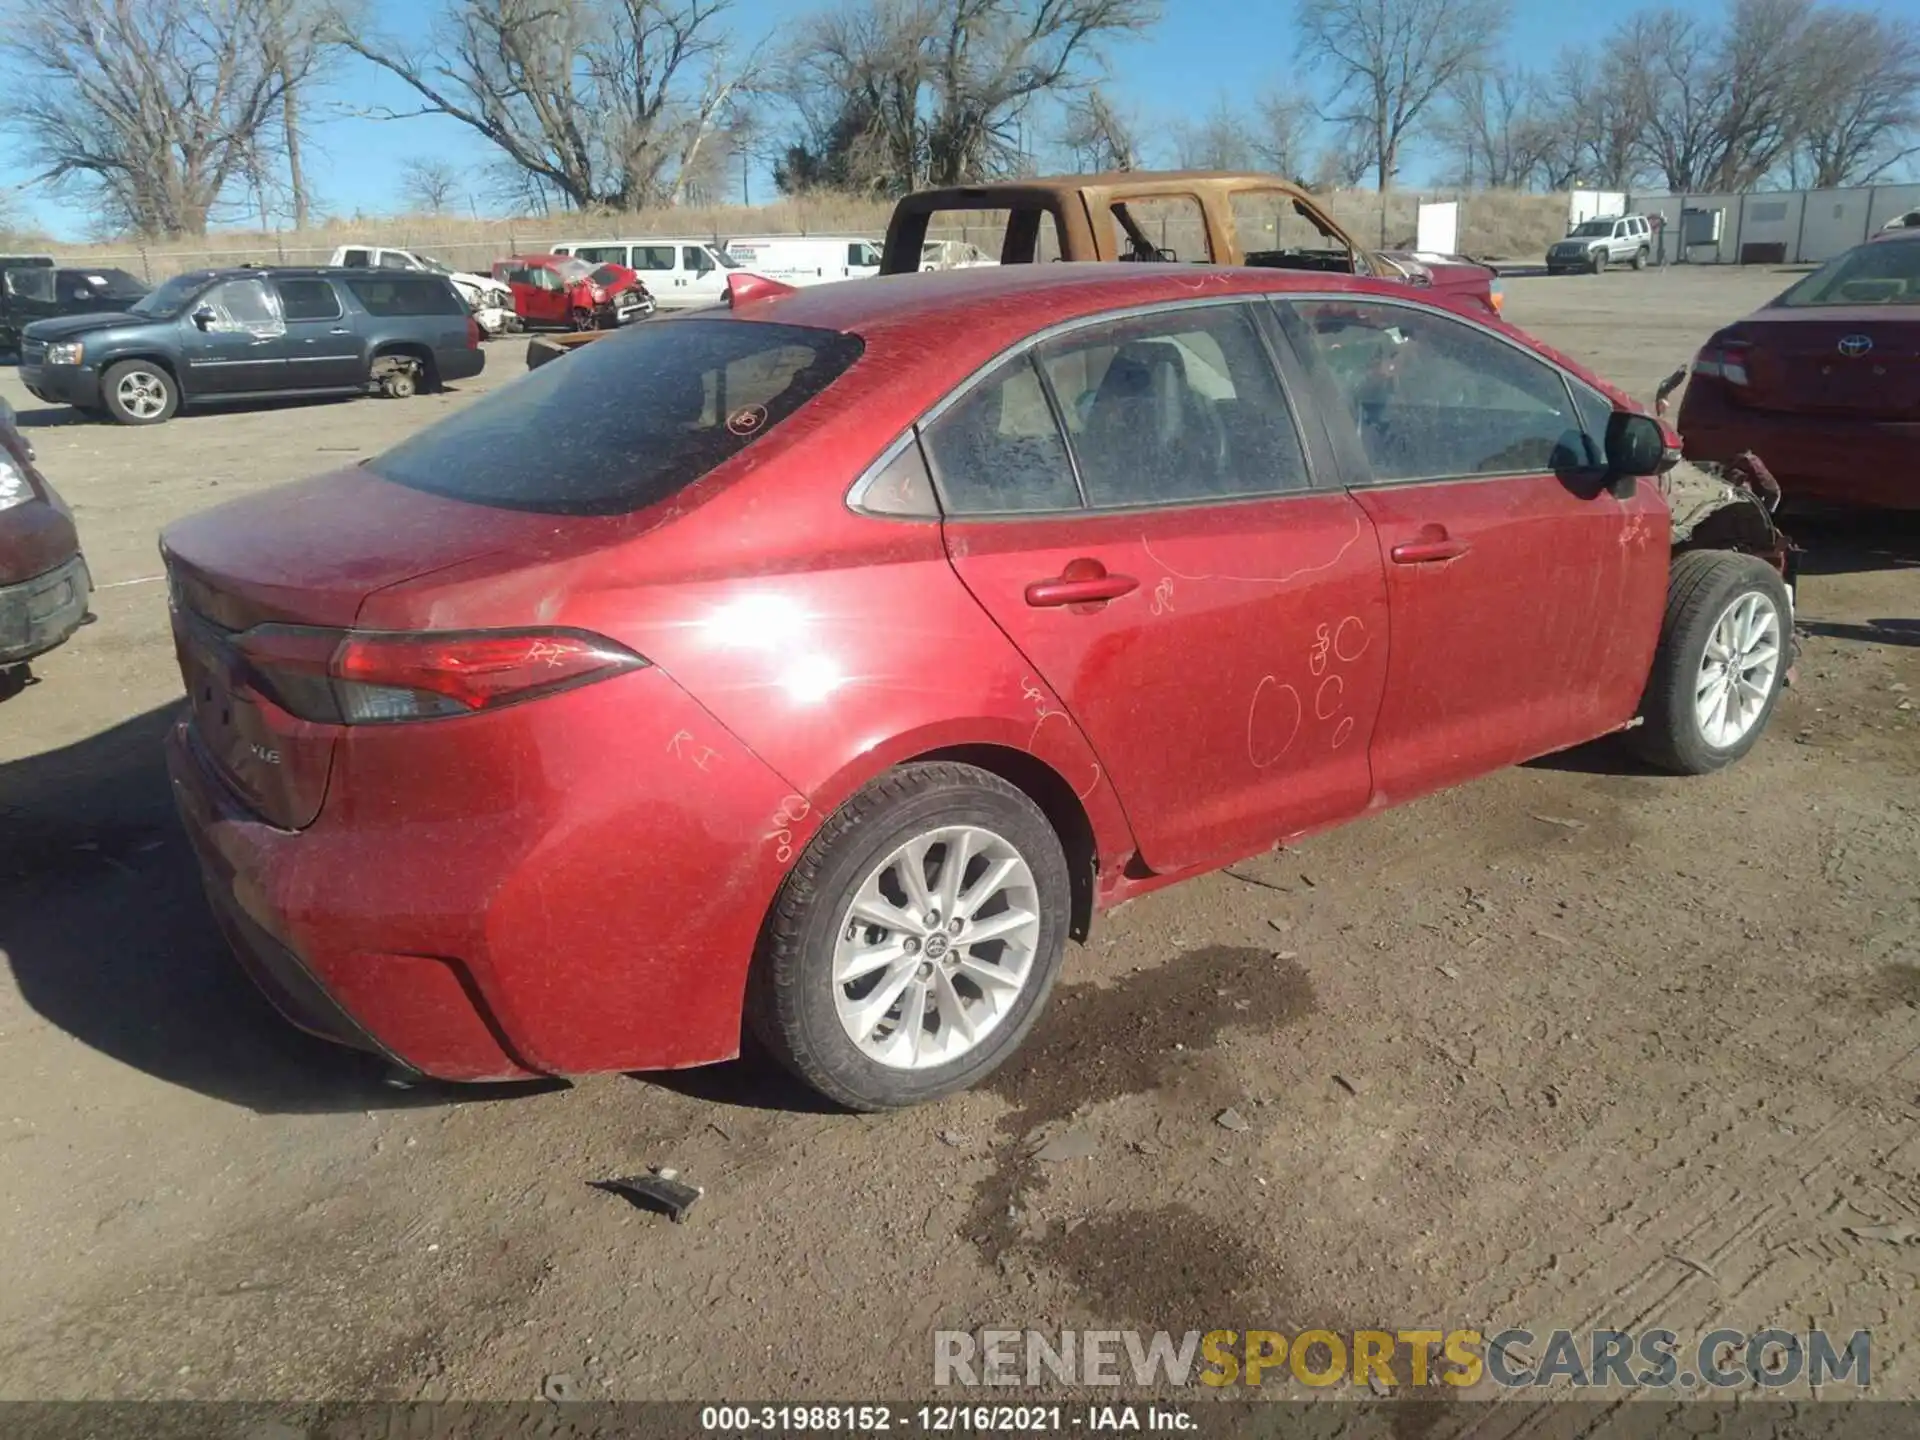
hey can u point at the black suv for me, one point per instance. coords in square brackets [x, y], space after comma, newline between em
[33, 292]
[214, 336]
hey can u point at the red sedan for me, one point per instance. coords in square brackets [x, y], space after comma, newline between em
[1823, 384]
[824, 662]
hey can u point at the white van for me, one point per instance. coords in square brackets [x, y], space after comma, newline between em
[680, 274]
[807, 259]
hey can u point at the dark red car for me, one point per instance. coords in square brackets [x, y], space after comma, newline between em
[854, 645]
[44, 584]
[558, 292]
[1824, 383]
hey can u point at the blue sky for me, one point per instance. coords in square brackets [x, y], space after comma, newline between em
[1201, 51]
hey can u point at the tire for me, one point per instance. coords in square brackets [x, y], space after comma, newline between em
[1599, 263]
[139, 392]
[585, 320]
[1704, 591]
[795, 1006]
[1640, 258]
[400, 385]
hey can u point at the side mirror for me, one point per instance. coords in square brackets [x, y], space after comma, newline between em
[204, 317]
[1636, 447]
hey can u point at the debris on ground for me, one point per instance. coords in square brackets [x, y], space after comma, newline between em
[953, 1138]
[1694, 1265]
[1068, 1145]
[1562, 821]
[558, 1386]
[1346, 1084]
[660, 1189]
[1892, 1234]
[1448, 971]
[1231, 1119]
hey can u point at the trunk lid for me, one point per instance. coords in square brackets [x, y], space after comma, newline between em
[308, 554]
[1833, 360]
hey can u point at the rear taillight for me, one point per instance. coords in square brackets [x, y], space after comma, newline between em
[356, 677]
[473, 333]
[1724, 359]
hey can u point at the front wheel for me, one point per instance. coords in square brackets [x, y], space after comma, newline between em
[138, 392]
[916, 940]
[1599, 262]
[1721, 663]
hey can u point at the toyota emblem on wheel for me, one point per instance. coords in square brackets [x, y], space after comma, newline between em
[1854, 345]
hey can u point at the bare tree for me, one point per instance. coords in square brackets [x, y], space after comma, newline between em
[1281, 132]
[897, 93]
[156, 110]
[1591, 120]
[1493, 127]
[1221, 140]
[1857, 102]
[1097, 136]
[603, 102]
[430, 186]
[1391, 59]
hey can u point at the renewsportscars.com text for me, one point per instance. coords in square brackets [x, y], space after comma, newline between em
[1512, 1359]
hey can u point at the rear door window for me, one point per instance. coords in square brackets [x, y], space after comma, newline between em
[999, 451]
[653, 257]
[308, 299]
[626, 422]
[1172, 408]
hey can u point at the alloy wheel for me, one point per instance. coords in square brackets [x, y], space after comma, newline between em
[142, 394]
[936, 947]
[1738, 669]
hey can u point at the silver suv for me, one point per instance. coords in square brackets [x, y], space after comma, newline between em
[1603, 241]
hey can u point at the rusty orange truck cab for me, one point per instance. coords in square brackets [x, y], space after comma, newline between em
[1179, 217]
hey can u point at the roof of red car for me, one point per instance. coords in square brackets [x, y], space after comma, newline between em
[1028, 297]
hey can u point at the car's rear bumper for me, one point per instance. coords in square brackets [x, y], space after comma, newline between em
[38, 614]
[572, 885]
[1818, 459]
[62, 384]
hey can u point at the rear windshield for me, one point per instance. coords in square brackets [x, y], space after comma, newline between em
[1885, 272]
[386, 293]
[623, 422]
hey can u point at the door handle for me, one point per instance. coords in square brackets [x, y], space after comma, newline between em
[1084, 582]
[1433, 545]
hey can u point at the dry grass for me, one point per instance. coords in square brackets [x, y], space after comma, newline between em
[1494, 224]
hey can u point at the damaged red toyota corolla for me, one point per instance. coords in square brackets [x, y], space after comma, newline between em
[823, 663]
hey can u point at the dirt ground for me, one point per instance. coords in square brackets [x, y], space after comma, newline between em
[1576, 1045]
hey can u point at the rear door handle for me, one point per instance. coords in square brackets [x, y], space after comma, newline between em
[1433, 545]
[1084, 582]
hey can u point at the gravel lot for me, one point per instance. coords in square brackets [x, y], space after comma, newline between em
[1575, 1045]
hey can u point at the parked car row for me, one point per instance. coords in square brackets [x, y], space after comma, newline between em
[215, 336]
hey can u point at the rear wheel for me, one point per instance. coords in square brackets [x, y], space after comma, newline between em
[1720, 665]
[916, 940]
[139, 392]
[1640, 258]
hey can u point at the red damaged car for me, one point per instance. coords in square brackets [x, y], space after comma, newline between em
[857, 644]
[558, 292]
[1823, 383]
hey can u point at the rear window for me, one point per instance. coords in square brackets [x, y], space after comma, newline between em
[1883, 272]
[626, 421]
[388, 293]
